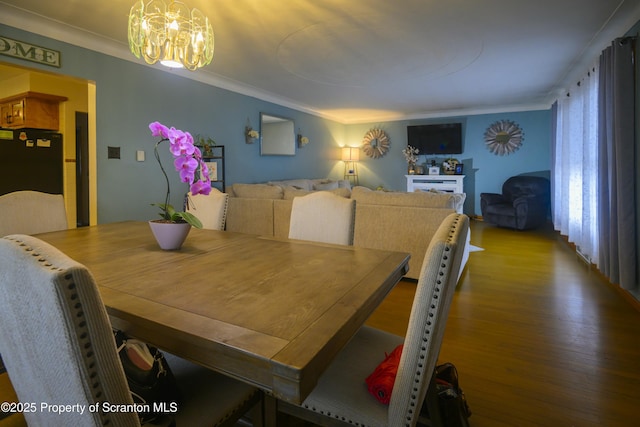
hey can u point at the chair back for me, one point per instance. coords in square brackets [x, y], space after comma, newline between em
[322, 217]
[31, 212]
[434, 292]
[56, 339]
[211, 210]
[530, 186]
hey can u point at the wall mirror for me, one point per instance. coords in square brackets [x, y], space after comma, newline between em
[277, 136]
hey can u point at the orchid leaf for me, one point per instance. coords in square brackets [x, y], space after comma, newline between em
[169, 213]
[190, 218]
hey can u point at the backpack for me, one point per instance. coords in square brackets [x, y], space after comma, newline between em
[149, 376]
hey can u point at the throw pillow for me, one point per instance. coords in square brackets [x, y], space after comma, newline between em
[330, 185]
[344, 183]
[291, 192]
[304, 184]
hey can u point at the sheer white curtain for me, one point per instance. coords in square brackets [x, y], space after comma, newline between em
[594, 164]
[575, 165]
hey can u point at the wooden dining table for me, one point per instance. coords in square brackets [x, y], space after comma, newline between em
[270, 312]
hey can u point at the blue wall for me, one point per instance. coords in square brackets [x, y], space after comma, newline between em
[131, 95]
[484, 171]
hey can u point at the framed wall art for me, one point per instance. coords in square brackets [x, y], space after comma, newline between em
[503, 137]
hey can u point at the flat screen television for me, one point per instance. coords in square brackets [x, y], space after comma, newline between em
[436, 139]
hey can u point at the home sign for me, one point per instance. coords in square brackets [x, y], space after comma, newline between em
[29, 52]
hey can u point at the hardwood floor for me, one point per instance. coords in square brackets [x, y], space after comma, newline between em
[538, 338]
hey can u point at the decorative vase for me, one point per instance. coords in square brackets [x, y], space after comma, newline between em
[411, 169]
[169, 235]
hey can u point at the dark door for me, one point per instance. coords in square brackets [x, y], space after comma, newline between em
[82, 168]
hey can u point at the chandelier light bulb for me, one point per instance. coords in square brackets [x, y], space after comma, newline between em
[173, 28]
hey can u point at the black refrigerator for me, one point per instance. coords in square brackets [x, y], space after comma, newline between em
[31, 159]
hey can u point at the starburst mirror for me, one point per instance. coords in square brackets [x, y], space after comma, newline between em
[503, 137]
[375, 143]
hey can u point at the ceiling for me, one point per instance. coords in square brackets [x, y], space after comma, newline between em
[357, 61]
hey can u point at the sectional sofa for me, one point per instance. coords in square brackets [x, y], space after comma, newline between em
[396, 221]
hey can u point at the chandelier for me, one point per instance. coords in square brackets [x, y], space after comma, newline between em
[172, 34]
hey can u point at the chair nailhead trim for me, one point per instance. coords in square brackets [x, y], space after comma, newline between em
[82, 334]
[432, 309]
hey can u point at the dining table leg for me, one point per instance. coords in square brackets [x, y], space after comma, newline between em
[270, 412]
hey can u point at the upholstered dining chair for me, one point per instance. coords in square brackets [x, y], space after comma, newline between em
[322, 217]
[341, 398]
[211, 209]
[31, 212]
[59, 348]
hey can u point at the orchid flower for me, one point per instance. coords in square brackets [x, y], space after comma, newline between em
[187, 162]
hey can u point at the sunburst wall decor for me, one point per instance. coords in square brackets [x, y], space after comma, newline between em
[503, 137]
[375, 143]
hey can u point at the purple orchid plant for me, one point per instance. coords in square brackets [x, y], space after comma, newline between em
[188, 163]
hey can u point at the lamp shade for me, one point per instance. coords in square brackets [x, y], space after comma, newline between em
[350, 154]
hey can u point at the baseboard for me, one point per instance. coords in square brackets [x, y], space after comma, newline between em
[635, 303]
[626, 295]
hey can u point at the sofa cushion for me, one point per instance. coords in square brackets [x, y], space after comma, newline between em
[250, 215]
[330, 185]
[301, 184]
[422, 199]
[344, 183]
[458, 198]
[290, 192]
[398, 228]
[258, 191]
[312, 184]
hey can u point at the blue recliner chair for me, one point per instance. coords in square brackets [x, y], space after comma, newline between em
[523, 205]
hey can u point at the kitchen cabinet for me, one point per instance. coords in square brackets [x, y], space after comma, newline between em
[31, 110]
